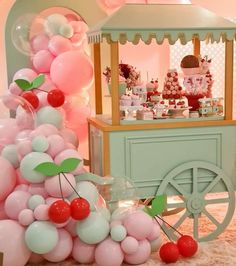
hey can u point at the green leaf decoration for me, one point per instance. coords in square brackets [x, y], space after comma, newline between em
[48, 169]
[23, 84]
[38, 81]
[69, 165]
[149, 211]
[159, 204]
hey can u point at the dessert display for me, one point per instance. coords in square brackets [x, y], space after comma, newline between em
[172, 88]
[145, 114]
[151, 87]
[211, 106]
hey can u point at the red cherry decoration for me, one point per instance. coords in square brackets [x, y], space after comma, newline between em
[187, 246]
[56, 98]
[169, 252]
[80, 208]
[59, 212]
[31, 98]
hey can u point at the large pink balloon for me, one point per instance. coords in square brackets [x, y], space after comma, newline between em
[62, 249]
[7, 178]
[39, 42]
[59, 45]
[77, 116]
[12, 243]
[15, 203]
[8, 131]
[3, 214]
[25, 73]
[83, 253]
[109, 253]
[42, 61]
[72, 71]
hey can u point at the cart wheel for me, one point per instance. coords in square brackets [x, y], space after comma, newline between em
[197, 183]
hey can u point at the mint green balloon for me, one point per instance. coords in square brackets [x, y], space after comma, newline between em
[49, 115]
[118, 233]
[9, 152]
[66, 30]
[41, 237]
[35, 200]
[94, 229]
[40, 144]
[105, 212]
[29, 162]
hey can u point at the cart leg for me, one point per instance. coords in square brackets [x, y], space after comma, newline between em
[1, 259]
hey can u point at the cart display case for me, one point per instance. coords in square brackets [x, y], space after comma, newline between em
[189, 157]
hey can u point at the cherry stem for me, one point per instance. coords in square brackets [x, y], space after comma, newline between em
[162, 228]
[40, 90]
[71, 185]
[159, 217]
[61, 188]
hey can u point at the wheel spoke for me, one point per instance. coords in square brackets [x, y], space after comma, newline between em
[179, 188]
[217, 201]
[195, 180]
[195, 226]
[210, 217]
[176, 205]
[211, 185]
[181, 219]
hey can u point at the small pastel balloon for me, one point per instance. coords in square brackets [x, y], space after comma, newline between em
[39, 42]
[108, 253]
[24, 148]
[77, 26]
[45, 130]
[42, 61]
[58, 45]
[129, 245]
[52, 185]
[3, 214]
[40, 144]
[9, 152]
[26, 217]
[38, 189]
[115, 222]
[15, 203]
[14, 89]
[138, 224]
[69, 153]
[141, 255]
[76, 39]
[83, 253]
[69, 136]
[34, 201]
[42, 96]
[49, 115]
[155, 244]
[88, 191]
[24, 120]
[7, 178]
[118, 233]
[29, 162]
[93, 229]
[22, 187]
[25, 73]
[22, 136]
[66, 31]
[41, 237]
[105, 212]
[53, 23]
[155, 233]
[12, 242]
[71, 227]
[41, 212]
[63, 248]
[35, 258]
[56, 145]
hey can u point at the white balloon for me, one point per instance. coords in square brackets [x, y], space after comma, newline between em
[53, 23]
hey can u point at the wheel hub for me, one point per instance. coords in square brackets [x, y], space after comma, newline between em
[195, 204]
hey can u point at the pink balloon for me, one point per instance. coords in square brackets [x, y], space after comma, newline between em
[52, 185]
[7, 178]
[8, 131]
[35, 258]
[69, 136]
[22, 136]
[83, 253]
[71, 227]
[14, 89]
[45, 130]
[39, 42]
[15, 203]
[62, 249]
[25, 73]
[59, 45]
[72, 66]
[56, 145]
[38, 189]
[42, 61]
[71, 17]
[69, 154]
[77, 26]
[25, 120]
[26, 217]
[19, 179]
[42, 96]
[155, 233]
[129, 245]
[82, 132]
[23, 148]
[77, 38]
[141, 255]
[3, 214]
[12, 243]
[22, 187]
[77, 116]
[41, 212]
[138, 224]
[109, 253]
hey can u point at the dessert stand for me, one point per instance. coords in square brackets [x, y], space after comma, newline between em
[187, 158]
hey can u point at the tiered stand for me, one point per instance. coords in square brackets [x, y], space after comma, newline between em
[189, 158]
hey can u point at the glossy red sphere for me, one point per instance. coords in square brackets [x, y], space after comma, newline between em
[31, 98]
[187, 246]
[80, 208]
[169, 252]
[56, 98]
[59, 212]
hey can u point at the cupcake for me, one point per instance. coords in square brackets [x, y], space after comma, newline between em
[125, 100]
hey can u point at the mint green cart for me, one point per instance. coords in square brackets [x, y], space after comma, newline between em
[189, 159]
